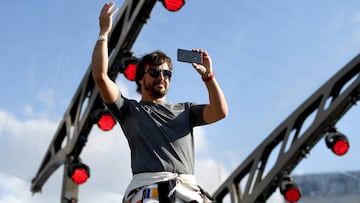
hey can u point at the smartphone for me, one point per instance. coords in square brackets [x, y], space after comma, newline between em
[189, 56]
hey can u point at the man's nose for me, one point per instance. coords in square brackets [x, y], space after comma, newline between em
[161, 74]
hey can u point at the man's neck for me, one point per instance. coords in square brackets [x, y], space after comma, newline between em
[152, 99]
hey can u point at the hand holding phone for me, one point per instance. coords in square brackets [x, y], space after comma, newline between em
[189, 56]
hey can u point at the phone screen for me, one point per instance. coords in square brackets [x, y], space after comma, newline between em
[189, 56]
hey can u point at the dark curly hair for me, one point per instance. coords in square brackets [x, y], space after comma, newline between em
[154, 58]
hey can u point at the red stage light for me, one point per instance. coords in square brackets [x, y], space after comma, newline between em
[340, 147]
[338, 143]
[106, 121]
[127, 64]
[130, 71]
[289, 189]
[78, 172]
[173, 5]
[292, 194]
[80, 176]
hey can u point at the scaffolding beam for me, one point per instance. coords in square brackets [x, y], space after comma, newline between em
[292, 140]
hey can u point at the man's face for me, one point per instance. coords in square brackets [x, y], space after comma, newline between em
[156, 80]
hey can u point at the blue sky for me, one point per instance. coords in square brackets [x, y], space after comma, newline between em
[268, 56]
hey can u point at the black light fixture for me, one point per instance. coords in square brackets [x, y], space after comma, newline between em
[127, 64]
[78, 171]
[289, 189]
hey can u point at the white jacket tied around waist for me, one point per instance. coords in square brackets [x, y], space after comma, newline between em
[144, 179]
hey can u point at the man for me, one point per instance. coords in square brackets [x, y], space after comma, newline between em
[159, 134]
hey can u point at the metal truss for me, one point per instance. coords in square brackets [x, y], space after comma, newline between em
[74, 128]
[292, 140]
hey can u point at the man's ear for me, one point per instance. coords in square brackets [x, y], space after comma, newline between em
[141, 81]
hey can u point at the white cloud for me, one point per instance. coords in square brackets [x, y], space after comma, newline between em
[22, 137]
[99, 195]
[200, 140]
[4, 118]
[125, 90]
[16, 190]
[22, 148]
[28, 110]
[108, 155]
[210, 174]
[276, 197]
[31, 132]
[12, 189]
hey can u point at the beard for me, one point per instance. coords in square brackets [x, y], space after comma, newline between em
[154, 90]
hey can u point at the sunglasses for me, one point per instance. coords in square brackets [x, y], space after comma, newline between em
[155, 73]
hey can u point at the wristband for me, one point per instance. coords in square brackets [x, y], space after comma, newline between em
[102, 38]
[209, 77]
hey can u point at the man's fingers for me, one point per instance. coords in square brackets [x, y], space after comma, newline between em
[108, 10]
[113, 12]
[104, 9]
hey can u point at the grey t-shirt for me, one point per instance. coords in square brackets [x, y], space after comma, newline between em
[159, 134]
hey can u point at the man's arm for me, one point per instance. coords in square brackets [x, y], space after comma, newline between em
[107, 88]
[217, 107]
